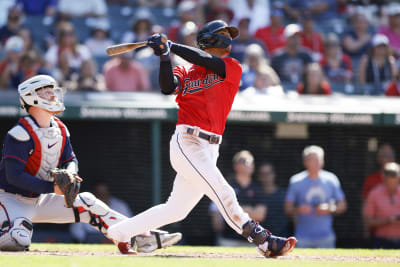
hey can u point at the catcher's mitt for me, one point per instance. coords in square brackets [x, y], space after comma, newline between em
[68, 184]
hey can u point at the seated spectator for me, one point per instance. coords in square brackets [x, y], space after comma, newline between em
[314, 82]
[14, 21]
[257, 11]
[310, 38]
[5, 5]
[39, 7]
[89, 79]
[99, 40]
[272, 36]
[84, 232]
[187, 36]
[26, 35]
[218, 11]
[82, 8]
[392, 31]
[274, 196]
[249, 195]
[67, 45]
[313, 197]
[377, 68]
[267, 82]
[122, 73]
[382, 209]
[240, 44]
[155, 3]
[393, 88]
[253, 60]
[10, 65]
[30, 64]
[291, 61]
[357, 40]
[186, 12]
[64, 74]
[337, 65]
[384, 155]
[140, 27]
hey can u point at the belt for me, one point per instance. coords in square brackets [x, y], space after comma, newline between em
[212, 139]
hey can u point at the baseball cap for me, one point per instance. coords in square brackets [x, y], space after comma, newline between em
[244, 157]
[291, 30]
[391, 169]
[380, 39]
[393, 9]
[14, 44]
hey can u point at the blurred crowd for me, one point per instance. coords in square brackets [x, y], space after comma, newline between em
[285, 46]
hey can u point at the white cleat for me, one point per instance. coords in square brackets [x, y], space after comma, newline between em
[157, 239]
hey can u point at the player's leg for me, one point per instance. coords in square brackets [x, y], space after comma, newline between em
[184, 196]
[15, 225]
[197, 159]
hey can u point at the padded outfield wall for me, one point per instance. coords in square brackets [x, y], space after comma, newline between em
[124, 138]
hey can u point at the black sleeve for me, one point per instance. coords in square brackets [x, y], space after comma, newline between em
[168, 82]
[199, 57]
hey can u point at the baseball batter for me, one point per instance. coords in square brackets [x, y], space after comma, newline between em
[38, 144]
[204, 92]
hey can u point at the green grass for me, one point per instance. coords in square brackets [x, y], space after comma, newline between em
[93, 255]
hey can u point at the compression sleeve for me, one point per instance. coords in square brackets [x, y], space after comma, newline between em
[199, 57]
[16, 176]
[168, 82]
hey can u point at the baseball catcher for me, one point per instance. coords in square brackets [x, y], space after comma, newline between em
[39, 181]
[204, 92]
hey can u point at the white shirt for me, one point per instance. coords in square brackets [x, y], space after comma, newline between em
[82, 7]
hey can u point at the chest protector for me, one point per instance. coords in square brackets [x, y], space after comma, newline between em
[48, 147]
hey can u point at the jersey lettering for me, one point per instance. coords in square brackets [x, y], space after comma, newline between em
[198, 85]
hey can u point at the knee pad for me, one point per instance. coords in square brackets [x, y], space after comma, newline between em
[19, 236]
[101, 215]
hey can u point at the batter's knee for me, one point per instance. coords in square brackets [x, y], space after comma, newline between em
[18, 237]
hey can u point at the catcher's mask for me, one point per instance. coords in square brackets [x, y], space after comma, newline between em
[41, 91]
[207, 36]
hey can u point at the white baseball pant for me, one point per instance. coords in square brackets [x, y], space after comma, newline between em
[194, 159]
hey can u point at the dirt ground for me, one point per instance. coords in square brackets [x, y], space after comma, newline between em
[242, 256]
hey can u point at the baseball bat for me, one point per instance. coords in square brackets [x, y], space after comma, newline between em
[122, 48]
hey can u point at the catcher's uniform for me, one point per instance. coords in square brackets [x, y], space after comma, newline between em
[26, 189]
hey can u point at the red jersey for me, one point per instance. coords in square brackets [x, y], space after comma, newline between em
[204, 98]
[272, 39]
[393, 89]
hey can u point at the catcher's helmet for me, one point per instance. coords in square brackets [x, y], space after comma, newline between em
[207, 36]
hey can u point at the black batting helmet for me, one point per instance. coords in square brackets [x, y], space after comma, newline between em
[207, 36]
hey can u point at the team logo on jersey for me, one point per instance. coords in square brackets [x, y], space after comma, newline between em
[194, 86]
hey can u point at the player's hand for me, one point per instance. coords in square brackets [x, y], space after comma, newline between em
[323, 209]
[304, 209]
[159, 43]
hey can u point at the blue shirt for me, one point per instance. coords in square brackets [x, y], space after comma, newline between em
[304, 190]
[36, 7]
[15, 154]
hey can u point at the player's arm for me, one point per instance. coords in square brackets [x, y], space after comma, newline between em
[68, 158]
[15, 158]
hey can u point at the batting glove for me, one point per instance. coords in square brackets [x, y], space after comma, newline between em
[159, 43]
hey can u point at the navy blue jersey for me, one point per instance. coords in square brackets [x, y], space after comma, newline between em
[13, 175]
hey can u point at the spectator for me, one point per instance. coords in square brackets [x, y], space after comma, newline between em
[99, 40]
[39, 7]
[337, 65]
[393, 88]
[218, 11]
[249, 195]
[9, 66]
[384, 155]
[240, 44]
[30, 64]
[186, 12]
[291, 61]
[311, 39]
[392, 31]
[187, 36]
[272, 36]
[377, 68]
[140, 27]
[357, 40]
[65, 75]
[382, 209]
[67, 45]
[14, 21]
[155, 3]
[79, 8]
[267, 82]
[122, 73]
[5, 5]
[254, 59]
[314, 82]
[313, 197]
[89, 79]
[274, 197]
[26, 35]
[85, 233]
[257, 10]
